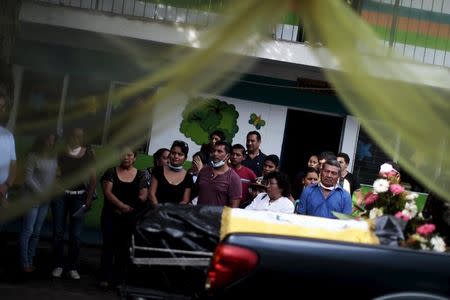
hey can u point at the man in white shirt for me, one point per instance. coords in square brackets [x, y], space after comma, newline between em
[7, 153]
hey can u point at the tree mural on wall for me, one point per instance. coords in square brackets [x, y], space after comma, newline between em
[204, 115]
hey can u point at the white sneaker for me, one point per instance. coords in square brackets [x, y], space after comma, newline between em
[57, 272]
[74, 274]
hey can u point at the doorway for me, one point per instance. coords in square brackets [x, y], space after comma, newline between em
[302, 129]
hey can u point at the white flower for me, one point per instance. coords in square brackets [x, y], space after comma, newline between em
[381, 185]
[411, 196]
[410, 209]
[437, 244]
[424, 246]
[420, 216]
[375, 213]
[386, 168]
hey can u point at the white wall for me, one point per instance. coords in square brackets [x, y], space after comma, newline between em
[166, 124]
[350, 139]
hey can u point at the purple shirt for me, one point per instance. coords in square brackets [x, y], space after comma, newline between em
[218, 191]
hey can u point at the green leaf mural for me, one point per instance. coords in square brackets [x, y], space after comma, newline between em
[204, 115]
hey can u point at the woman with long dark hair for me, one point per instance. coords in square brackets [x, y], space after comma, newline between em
[40, 174]
[172, 183]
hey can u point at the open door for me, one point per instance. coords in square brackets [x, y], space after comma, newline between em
[302, 137]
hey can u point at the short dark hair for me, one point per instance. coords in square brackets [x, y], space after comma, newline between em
[219, 133]
[258, 135]
[224, 143]
[311, 170]
[282, 181]
[273, 158]
[333, 162]
[327, 155]
[238, 147]
[344, 156]
[183, 146]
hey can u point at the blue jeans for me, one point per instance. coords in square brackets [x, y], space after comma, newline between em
[29, 236]
[62, 209]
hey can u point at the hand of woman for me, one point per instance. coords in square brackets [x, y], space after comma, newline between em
[198, 163]
[125, 209]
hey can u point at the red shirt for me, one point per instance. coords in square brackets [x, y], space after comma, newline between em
[247, 177]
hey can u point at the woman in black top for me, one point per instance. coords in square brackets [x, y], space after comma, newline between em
[172, 183]
[125, 189]
[76, 163]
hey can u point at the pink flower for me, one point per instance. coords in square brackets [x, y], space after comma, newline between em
[426, 229]
[402, 216]
[396, 189]
[370, 198]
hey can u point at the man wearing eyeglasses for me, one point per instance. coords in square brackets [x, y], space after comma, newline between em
[327, 196]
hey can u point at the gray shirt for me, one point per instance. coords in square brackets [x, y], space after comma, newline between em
[39, 172]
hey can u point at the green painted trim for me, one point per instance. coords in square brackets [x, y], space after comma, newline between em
[255, 90]
[291, 18]
[414, 38]
[407, 12]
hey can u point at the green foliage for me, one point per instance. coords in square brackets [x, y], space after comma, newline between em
[202, 116]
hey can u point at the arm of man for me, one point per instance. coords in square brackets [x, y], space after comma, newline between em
[348, 204]
[4, 187]
[234, 203]
[12, 173]
[235, 191]
[301, 204]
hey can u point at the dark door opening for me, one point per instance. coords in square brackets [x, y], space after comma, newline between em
[302, 137]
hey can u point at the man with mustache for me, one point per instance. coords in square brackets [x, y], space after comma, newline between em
[327, 196]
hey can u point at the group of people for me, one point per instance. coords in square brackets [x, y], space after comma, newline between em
[221, 174]
[44, 170]
[237, 176]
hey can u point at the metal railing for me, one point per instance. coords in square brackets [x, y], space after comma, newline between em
[198, 12]
[418, 29]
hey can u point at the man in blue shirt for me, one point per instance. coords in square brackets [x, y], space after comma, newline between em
[323, 198]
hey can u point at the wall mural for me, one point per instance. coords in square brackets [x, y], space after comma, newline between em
[202, 116]
[256, 121]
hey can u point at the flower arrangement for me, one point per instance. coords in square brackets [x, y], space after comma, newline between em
[389, 197]
[425, 237]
